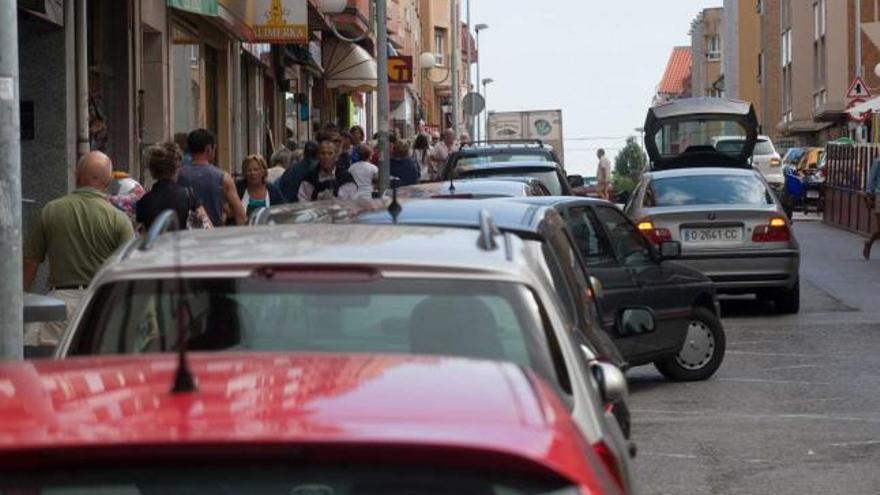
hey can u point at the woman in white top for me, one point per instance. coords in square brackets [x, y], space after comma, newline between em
[364, 172]
[421, 152]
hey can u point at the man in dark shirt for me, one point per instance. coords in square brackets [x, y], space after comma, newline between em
[166, 194]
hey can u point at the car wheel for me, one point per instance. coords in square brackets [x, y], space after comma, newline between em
[702, 352]
[788, 301]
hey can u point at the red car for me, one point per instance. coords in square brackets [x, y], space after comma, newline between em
[302, 424]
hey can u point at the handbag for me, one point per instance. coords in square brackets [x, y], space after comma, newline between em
[198, 218]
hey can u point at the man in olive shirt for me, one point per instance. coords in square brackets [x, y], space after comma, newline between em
[77, 233]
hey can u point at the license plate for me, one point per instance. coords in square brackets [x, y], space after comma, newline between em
[812, 194]
[712, 235]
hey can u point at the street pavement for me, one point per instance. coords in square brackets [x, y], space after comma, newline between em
[794, 408]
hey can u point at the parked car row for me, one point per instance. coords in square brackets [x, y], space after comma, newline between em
[356, 346]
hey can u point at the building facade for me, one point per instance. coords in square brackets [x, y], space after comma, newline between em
[706, 32]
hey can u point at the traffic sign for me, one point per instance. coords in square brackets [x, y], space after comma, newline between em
[400, 69]
[858, 89]
[473, 104]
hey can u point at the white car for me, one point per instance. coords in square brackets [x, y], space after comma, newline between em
[765, 158]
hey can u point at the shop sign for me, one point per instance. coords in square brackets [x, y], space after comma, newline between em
[204, 7]
[400, 69]
[274, 21]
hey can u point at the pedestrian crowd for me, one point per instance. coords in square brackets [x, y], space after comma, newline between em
[75, 234]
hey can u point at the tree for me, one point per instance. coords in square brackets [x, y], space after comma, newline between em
[628, 166]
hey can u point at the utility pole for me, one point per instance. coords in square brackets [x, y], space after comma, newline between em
[456, 55]
[384, 106]
[11, 294]
[858, 31]
[470, 54]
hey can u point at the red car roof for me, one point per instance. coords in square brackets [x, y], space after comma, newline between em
[121, 406]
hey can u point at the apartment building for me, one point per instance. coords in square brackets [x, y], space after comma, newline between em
[707, 78]
[741, 46]
[676, 81]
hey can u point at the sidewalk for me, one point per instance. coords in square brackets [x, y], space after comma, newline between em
[831, 259]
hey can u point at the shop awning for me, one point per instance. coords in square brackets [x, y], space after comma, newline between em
[203, 7]
[872, 105]
[348, 67]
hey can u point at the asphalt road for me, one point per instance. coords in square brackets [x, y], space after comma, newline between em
[795, 407]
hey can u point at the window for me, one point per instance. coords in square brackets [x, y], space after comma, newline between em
[187, 83]
[786, 47]
[819, 54]
[631, 247]
[713, 47]
[486, 320]
[588, 238]
[761, 67]
[277, 474]
[709, 190]
[440, 45]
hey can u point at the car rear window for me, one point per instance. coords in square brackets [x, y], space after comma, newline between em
[548, 177]
[707, 190]
[292, 478]
[476, 319]
[512, 156]
[764, 147]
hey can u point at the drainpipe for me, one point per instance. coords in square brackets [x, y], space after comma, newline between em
[82, 79]
[11, 310]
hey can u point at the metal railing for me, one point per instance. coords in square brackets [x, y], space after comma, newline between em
[846, 169]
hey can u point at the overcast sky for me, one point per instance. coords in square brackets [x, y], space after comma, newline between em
[597, 60]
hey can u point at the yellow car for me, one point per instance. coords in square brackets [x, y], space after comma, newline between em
[811, 158]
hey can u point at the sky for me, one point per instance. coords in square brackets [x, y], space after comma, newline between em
[597, 60]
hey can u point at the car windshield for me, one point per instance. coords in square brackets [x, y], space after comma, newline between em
[700, 134]
[188, 478]
[794, 155]
[332, 311]
[733, 146]
[548, 177]
[707, 190]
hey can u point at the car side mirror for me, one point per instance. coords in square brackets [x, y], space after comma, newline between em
[611, 381]
[670, 250]
[576, 180]
[635, 321]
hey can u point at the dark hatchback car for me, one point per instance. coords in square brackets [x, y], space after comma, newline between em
[501, 151]
[502, 159]
[689, 341]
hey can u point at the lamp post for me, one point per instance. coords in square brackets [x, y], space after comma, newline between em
[380, 16]
[477, 29]
[486, 82]
[456, 57]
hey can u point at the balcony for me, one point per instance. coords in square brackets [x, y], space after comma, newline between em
[351, 23]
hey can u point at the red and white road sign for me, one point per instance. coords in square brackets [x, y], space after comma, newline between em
[858, 89]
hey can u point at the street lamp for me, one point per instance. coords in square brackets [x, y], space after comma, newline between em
[333, 7]
[486, 82]
[477, 29]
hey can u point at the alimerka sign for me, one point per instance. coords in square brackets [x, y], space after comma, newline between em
[273, 21]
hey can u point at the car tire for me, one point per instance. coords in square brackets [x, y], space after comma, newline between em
[788, 301]
[700, 361]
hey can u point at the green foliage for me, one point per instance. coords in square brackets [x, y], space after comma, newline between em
[628, 165]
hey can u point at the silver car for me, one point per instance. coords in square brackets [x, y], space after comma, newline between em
[765, 158]
[355, 289]
[730, 224]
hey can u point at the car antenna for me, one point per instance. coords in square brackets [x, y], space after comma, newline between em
[184, 381]
[394, 208]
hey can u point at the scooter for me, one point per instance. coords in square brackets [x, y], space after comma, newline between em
[795, 191]
[814, 191]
